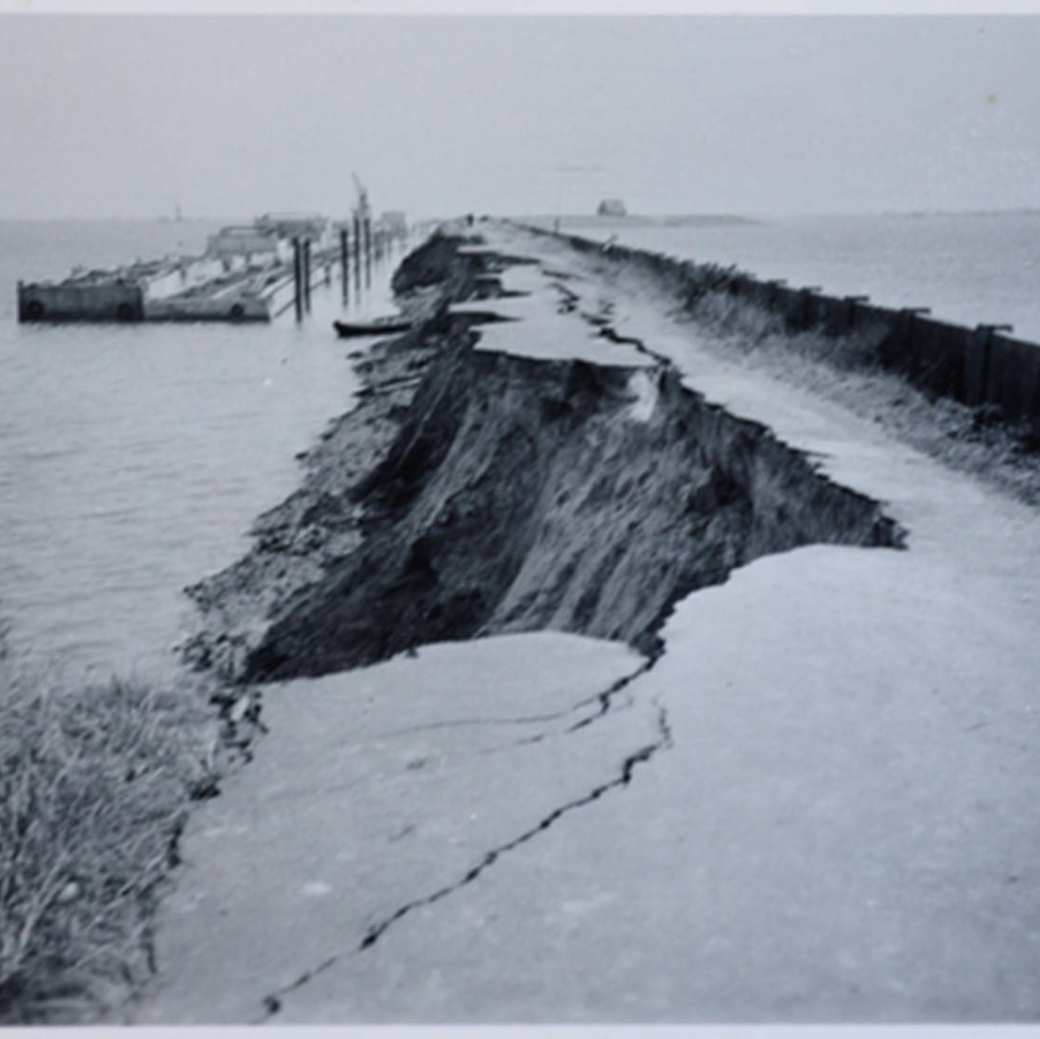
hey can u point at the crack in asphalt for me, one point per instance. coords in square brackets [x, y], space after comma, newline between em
[628, 768]
[601, 321]
[609, 332]
[272, 1003]
[523, 719]
[606, 697]
[603, 699]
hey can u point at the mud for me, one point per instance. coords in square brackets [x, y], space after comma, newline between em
[472, 493]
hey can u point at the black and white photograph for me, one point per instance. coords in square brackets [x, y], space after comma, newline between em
[519, 517]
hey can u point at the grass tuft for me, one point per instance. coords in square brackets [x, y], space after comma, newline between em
[94, 787]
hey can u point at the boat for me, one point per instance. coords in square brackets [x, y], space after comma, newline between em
[376, 327]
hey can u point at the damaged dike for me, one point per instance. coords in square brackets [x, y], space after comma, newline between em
[473, 491]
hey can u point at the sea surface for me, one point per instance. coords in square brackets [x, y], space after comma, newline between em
[133, 458]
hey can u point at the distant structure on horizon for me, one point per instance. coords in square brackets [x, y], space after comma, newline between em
[312, 226]
[611, 207]
[247, 242]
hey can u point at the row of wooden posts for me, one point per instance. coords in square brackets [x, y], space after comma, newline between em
[358, 247]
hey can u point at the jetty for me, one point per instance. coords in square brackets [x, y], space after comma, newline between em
[249, 272]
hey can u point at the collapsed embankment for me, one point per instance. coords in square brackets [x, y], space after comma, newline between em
[821, 783]
[471, 492]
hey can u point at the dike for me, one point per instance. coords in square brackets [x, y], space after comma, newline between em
[472, 492]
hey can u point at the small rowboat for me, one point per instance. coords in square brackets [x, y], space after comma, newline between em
[377, 327]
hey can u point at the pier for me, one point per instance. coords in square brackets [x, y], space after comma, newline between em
[249, 272]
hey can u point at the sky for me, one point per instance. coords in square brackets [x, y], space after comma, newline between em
[232, 116]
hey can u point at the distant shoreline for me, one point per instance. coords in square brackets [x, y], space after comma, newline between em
[642, 220]
[574, 219]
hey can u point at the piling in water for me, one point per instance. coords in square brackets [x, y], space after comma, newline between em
[297, 279]
[344, 263]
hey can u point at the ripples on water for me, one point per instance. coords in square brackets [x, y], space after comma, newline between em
[133, 458]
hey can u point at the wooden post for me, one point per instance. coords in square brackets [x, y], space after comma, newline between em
[850, 309]
[344, 262]
[307, 274]
[901, 351]
[805, 314]
[773, 286]
[367, 231]
[977, 390]
[357, 238]
[298, 278]
[910, 317]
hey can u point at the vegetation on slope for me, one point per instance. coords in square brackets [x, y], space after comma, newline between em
[94, 787]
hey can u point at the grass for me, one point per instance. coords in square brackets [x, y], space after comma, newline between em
[844, 369]
[94, 787]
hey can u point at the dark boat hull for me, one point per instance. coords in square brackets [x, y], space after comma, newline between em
[349, 329]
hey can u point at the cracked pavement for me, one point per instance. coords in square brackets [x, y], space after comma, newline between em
[401, 808]
[829, 812]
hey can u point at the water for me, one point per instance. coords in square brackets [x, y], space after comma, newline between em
[968, 268]
[133, 458]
